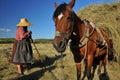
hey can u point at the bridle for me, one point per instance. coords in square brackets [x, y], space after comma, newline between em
[66, 35]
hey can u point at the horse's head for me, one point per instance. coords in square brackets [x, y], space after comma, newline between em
[64, 21]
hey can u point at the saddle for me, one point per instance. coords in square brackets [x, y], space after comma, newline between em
[100, 40]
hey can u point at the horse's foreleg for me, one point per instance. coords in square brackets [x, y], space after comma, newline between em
[89, 66]
[105, 63]
[100, 65]
[78, 67]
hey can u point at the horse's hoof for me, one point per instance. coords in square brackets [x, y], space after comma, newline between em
[106, 74]
[99, 72]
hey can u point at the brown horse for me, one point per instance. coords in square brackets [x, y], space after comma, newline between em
[88, 43]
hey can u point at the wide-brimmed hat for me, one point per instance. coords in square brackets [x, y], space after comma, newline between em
[24, 23]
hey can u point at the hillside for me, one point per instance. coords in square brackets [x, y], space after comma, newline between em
[106, 16]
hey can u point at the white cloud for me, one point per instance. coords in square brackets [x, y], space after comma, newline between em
[5, 30]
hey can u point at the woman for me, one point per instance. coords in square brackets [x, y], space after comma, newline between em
[22, 50]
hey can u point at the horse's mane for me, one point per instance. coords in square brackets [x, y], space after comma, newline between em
[59, 10]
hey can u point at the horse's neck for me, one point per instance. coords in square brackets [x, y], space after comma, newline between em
[80, 27]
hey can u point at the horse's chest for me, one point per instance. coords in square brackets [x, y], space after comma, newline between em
[82, 51]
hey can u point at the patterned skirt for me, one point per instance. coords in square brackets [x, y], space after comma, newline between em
[22, 52]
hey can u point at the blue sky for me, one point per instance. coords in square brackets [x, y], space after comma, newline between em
[38, 12]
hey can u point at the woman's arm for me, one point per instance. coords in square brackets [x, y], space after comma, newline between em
[23, 34]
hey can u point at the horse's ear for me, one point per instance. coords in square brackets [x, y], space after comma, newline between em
[56, 5]
[71, 4]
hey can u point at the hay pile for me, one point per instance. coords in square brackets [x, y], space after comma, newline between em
[106, 16]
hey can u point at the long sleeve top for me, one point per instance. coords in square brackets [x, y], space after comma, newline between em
[21, 34]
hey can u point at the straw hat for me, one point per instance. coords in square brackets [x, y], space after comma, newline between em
[24, 23]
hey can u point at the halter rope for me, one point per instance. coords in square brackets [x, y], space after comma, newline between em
[62, 66]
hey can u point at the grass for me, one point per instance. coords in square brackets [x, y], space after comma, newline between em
[11, 40]
[50, 69]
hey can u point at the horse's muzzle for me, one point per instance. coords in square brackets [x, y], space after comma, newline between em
[60, 46]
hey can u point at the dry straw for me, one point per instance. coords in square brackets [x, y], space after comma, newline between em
[106, 16]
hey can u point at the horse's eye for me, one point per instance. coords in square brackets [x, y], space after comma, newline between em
[69, 18]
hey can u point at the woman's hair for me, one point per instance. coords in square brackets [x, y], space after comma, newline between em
[25, 29]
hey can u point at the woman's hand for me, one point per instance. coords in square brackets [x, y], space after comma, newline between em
[30, 32]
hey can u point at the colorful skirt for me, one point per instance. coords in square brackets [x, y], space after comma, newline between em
[22, 52]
